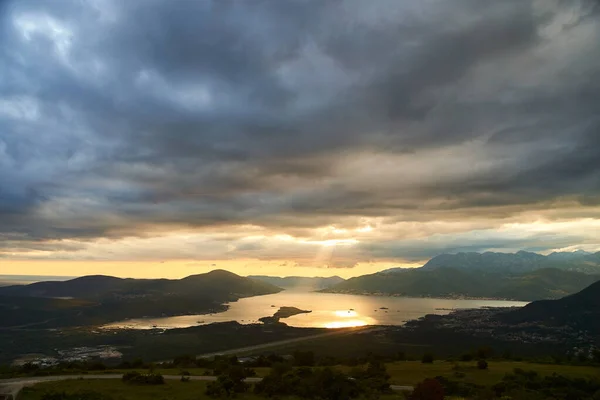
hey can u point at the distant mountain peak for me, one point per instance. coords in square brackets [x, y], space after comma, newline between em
[521, 261]
[220, 272]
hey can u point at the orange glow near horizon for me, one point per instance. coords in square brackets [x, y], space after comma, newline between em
[175, 269]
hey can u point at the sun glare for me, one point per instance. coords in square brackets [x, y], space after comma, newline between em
[350, 319]
[338, 242]
[346, 313]
[345, 324]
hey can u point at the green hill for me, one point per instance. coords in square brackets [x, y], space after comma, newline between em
[580, 311]
[218, 285]
[452, 282]
[101, 299]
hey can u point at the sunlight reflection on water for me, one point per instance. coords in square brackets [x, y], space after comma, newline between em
[328, 310]
[351, 323]
[345, 313]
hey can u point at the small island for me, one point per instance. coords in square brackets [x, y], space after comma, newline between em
[283, 312]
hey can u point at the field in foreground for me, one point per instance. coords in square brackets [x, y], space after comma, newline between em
[117, 390]
[412, 372]
[402, 373]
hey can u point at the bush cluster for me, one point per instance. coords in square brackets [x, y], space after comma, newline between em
[324, 383]
[82, 395]
[230, 382]
[136, 378]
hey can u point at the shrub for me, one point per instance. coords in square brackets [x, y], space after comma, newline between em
[482, 364]
[184, 361]
[304, 358]
[429, 389]
[230, 382]
[311, 384]
[427, 359]
[325, 383]
[128, 376]
[457, 388]
[484, 352]
[83, 395]
[97, 366]
[143, 379]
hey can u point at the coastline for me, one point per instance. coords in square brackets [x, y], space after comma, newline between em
[447, 297]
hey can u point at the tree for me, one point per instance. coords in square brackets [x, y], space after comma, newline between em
[596, 355]
[427, 358]
[304, 358]
[484, 352]
[184, 361]
[429, 389]
[325, 383]
[229, 382]
[137, 363]
[374, 379]
[280, 368]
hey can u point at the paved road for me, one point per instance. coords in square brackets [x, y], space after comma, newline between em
[336, 332]
[9, 328]
[14, 386]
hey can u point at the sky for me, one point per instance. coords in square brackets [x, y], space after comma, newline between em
[151, 138]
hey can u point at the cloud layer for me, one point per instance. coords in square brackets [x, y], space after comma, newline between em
[389, 130]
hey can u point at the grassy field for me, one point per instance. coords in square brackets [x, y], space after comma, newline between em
[412, 372]
[122, 391]
[262, 371]
[117, 390]
[402, 373]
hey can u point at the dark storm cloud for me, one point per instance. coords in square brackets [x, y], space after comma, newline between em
[120, 115]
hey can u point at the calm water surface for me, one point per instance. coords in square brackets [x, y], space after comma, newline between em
[8, 280]
[328, 310]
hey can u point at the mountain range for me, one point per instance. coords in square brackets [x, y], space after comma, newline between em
[520, 262]
[299, 282]
[520, 276]
[100, 299]
[548, 283]
[219, 285]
